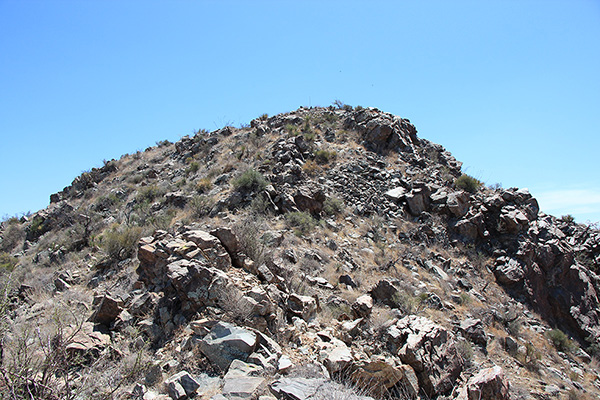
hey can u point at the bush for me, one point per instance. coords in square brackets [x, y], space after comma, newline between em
[200, 205]
[192, 168]
[120, 242]
[311, 168]
[301, 221]
[468, 183]
[333, 206]
[7, 262]
[203, 185]
[250, 181]
[324, 156]
[560, 340]
[149, 193]
[567, 218]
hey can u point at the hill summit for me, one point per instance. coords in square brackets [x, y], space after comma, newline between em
[316, 254]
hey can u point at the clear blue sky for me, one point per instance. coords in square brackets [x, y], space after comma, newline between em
[511, 88]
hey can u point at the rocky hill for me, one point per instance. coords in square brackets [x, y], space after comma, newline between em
[317, 254]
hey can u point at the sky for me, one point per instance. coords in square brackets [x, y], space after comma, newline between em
[511, 88]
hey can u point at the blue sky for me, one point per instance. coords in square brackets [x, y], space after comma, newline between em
[511, 88]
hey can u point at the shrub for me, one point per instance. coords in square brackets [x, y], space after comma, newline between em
[203, 185]
[192, 168]
[468, 183]
[13, 235]
[311, 168]
[301, 221]
[324, 156]
[119, 242]
[333, 206]
[560, 340]
[200, 205]
[7, 262]
[149, 193]
[250, 181]
[567, 218]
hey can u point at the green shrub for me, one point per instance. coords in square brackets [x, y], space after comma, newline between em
[468, 183]
[204, 185]
[324, 156]
[567, 218]
[200, 205]
[7, 262]
[250, 181]
[333, 206]
[560, 340]
[192, 168]
[120, 242]
[149, 193]
[301, 221]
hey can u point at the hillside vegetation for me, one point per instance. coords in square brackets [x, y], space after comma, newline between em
[321, 253]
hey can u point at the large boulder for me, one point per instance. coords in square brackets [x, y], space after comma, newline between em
[487, 384]
[197, 284]
[226, 342]
[383, 380]
[430, 350]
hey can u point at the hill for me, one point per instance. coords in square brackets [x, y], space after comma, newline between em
[324, 252]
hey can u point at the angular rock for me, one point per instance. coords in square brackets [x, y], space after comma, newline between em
[304, 307]
[487, 384]
[473, 330]
[226, 342]
[378, 378]
[430, 350]
[244, 387]
[296, 388]
[107, 311]
[362, 306]
[212, 249]
[385, 292]
[181, 385]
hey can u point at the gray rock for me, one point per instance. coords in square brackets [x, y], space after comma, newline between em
[181, 385]
[226, 342]
[487, 384]
[430, 350]
[244, 387]
[473, 330]
[296, 388]
[362, 306]
[302, 306]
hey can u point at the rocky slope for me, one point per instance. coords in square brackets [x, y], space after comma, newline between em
[325, 252]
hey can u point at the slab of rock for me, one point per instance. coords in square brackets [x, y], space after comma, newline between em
[244, 387]
[211, 247]
[362, 306]
[226, 342]
[199, 284]
[396, 194]
[487, 384]
[378, 378]
[473, 330]
[385, 292]
[181, 385]
[304, 307]
[336, 357]
[430, 350]
[107, 311]
[296, 388]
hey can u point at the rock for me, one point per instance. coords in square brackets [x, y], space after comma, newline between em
[362, 306]
[212, 248]
[181, 385]
[107, 311]
[385, 292]
[487, 384]
[302, 306]
[378, 378]
[244, 387]
[472, 329]
[458, 203]
[296, 388]
[284, 364]
[226, 342]
[430, 350]
[396, 194]
[347, 280]
[309, 200]
[231, 243]
[199, 284]
[89, 341]
[336, 357]
[508, 271]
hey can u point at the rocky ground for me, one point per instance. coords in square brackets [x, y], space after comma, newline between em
[322, 253]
